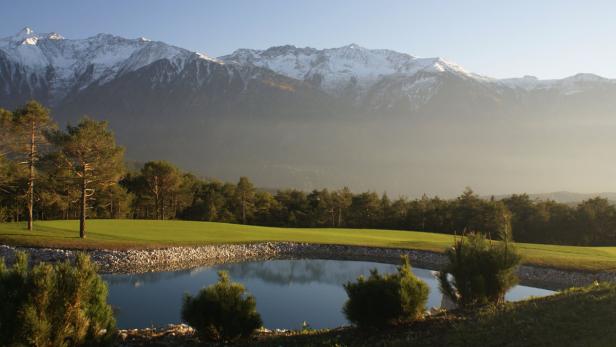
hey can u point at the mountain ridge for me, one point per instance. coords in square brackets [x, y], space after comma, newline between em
[311, 118]
[335, 70]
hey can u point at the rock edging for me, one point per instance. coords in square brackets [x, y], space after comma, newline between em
[176, 258]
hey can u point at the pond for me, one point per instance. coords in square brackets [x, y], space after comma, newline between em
[288, 292]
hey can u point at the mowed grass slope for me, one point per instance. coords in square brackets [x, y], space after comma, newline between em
[581, 317]
[150, 233]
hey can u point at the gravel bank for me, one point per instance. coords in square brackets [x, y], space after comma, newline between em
[175, 258]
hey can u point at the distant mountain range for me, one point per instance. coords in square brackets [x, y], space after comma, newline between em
[304, 117]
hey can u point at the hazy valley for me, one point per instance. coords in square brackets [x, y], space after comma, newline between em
[307, 118]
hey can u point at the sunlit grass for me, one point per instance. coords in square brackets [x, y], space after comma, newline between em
[150, 233]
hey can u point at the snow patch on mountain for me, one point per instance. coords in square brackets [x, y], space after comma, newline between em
[56, 66]
[566, 86]
[68, 64]
[337, 69]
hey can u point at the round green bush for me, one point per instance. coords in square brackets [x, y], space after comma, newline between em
[381, 300]
[54, 305]
[222, 311]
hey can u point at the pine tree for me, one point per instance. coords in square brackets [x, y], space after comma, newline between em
[163, 180]
[29, 126]
[342, 201]
[93, 158]
[245, 194]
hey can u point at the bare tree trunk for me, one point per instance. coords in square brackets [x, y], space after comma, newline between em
[31, 178]
[68, 204]
[162, 207]
[82, 217]
[157, 199]
[174, 206]
[157, 206]
[339, 216]
[243, 208]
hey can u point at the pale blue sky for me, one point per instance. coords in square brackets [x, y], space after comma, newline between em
[545, 38]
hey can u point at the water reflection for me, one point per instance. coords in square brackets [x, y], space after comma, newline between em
[288, 292]
[144, 278]
[302, 271]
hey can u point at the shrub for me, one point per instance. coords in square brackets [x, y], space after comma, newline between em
[381, 300]
[222, 311]
[54, 305]
[479, 271]
[4, 214]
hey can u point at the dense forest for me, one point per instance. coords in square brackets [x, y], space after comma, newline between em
[79, 173]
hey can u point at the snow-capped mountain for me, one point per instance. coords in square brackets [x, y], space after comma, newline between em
[353, 68]
[569, 85]
[338, 70]
[57, 65]
[381, 79]
[49, 67]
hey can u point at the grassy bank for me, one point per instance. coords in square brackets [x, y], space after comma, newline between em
[148, 233]
[577, 317]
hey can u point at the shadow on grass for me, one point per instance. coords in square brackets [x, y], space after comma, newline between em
[33, 235]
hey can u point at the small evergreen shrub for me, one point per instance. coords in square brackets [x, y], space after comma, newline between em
[479, 271]
[222, 311]
[54, 305]
[381, 300]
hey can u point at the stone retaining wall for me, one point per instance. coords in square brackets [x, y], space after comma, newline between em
[175, 258]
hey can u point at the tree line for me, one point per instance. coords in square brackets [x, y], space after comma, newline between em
[52, 170]
[79, 173]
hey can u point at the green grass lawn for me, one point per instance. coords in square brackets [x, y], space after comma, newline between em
[149, 233]
[580, 317]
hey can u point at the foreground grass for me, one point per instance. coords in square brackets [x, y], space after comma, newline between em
[121, 234]
[576, 317]
[581, 317]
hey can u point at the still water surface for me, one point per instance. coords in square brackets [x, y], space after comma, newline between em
[288, 292]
